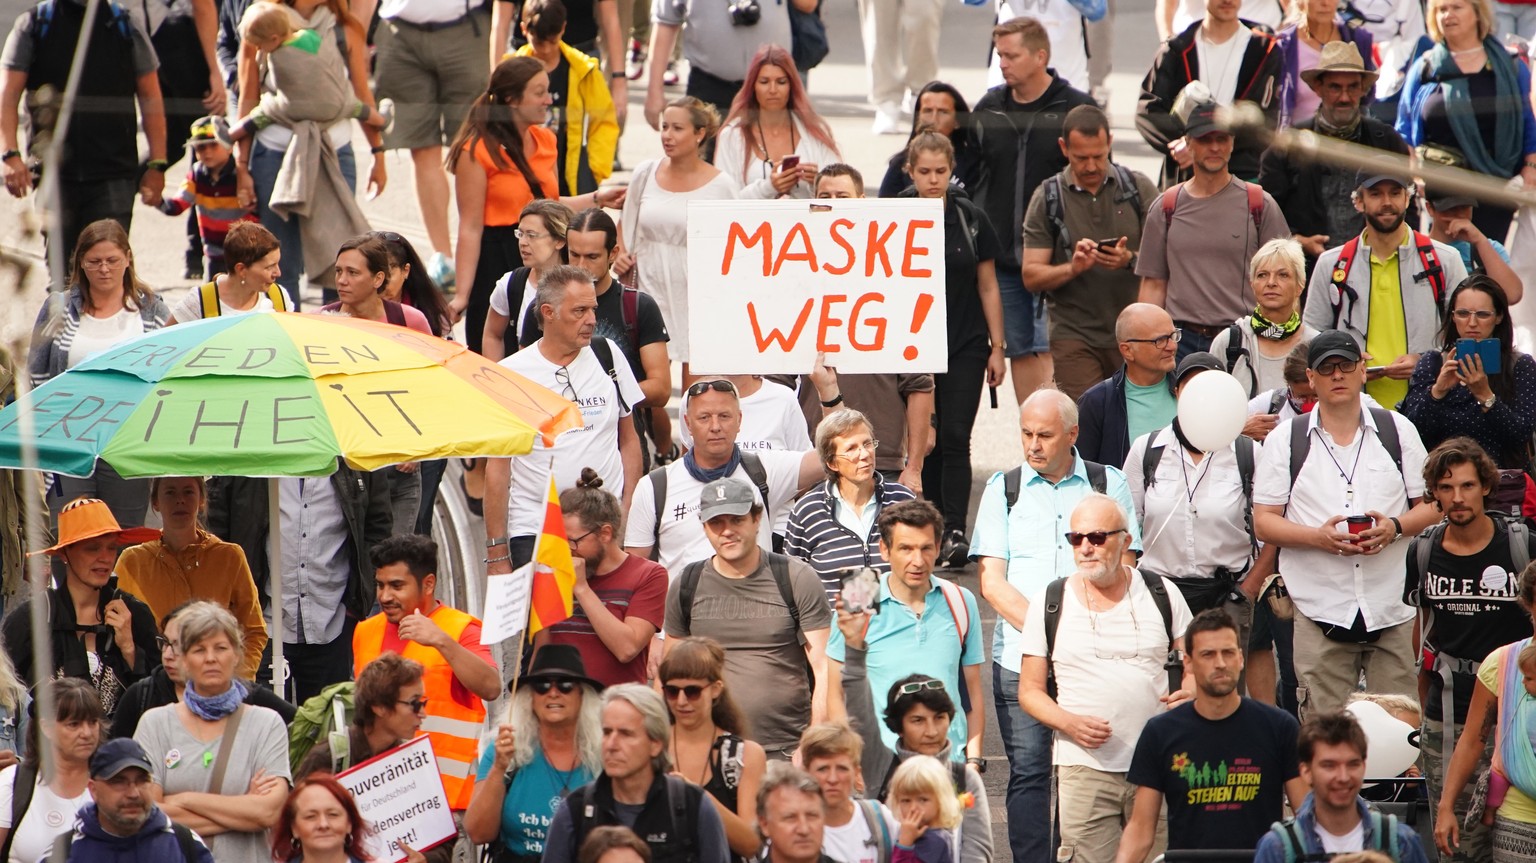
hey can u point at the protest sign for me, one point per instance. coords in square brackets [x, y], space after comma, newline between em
[506, 605]
[771, 283]
[400, 796]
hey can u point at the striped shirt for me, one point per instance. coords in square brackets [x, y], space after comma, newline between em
[217, 206]
[819, 538]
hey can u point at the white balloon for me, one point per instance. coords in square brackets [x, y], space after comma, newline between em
[1212, 409]
[1391, 749]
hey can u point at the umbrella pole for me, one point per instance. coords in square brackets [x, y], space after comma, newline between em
[275, 587]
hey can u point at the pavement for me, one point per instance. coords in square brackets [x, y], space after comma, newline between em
[838, 87]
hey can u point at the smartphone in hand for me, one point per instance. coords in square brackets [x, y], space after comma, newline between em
[1488, 349]
[860, 589]
[789, 162]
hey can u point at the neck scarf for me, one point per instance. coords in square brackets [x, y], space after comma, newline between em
[1345, 132]
[1504, 160]
[215, 707]
[1265, 328]
[710, 474]
[1183, 441]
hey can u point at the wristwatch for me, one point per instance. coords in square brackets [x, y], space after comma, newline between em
[157, 165]
[979, 763]
[1487, 404]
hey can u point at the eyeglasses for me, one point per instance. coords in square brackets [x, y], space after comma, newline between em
[857, 449]
[563, 378]
[719, 386]
[576, 539]
[917, 686]
[565, 684]
[528, 235]
[691, 692]
[417, 705]
[103, 264]
[1094, 537]
[165, 644]
[1467, 314]
[1161, 342]
[1330, 369]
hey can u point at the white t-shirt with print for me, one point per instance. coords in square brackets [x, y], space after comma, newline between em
[771, 418]
[94, 335]
[596, 445]
[851, 843]
[47, 817]
[682, 534]
[1108, 664]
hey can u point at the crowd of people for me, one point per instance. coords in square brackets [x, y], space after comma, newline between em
[764, 659]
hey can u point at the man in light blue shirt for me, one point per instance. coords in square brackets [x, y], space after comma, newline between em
[1020, 548]
[922, 625]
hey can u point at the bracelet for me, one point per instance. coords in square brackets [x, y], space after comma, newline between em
[1396, 525]
[833, 402]
[500, 540]
[376, 150]
[157, 165]
[9, 155]
[614, 76]
[507, 558]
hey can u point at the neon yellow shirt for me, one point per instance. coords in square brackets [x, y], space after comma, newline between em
[1386, 336]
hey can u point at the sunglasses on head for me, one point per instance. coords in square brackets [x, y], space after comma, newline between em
[390, 237]
[1094, 537]
[542, 687]
[917, 686]
[719, 386]
[691, 691]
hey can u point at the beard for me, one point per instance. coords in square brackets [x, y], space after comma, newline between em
[1385, 223]
[1218, 689]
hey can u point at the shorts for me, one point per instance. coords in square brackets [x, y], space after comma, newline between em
[1026, 324]
[433, 76]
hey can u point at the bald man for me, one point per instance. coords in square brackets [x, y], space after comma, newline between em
[1139, 398]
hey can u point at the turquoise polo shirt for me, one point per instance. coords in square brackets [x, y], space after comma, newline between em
[901, 643]
[1032, 536]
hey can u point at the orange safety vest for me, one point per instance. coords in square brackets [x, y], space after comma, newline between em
[454, 726]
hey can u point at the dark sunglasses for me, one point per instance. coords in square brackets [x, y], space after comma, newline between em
[1096, 537]
[719, 386]
[390, 237]
[542, 687]
[417, 705]
[692, 691]
[917, 686]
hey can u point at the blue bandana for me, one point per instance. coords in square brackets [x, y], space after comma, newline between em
[710, 474]
[215, 707]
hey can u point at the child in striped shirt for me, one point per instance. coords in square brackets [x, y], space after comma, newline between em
[210, 187]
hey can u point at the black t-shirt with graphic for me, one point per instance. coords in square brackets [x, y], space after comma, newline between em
[1475, 600]
[1223, 780]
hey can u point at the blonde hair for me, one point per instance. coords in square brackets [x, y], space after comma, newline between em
[266, 20]
[1481, 8]
[1391, 702]
[1527, 657]
[923, 774]
[829, 740]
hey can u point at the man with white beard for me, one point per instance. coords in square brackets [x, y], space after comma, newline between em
[1100, 659]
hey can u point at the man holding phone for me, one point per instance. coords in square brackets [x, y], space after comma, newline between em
[1081, 235]
[922, 624]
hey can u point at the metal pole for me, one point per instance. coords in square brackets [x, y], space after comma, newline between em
[275, 586]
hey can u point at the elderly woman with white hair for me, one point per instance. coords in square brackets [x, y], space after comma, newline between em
[833, 527]
[552, 746]
[221, 765]
[1254, 347]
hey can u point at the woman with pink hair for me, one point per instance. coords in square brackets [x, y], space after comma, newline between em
[774, 142]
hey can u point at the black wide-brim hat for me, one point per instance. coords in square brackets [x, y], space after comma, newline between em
[554, 661]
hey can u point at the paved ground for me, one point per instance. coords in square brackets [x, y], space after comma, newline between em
[838, 87]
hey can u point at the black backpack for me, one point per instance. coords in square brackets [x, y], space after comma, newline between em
[1055, 211]
[1236, 351]
[1386, 432]
[683, 800]
[1054, 593]
[1098, 480]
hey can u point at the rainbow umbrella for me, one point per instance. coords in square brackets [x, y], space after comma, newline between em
[280, 395]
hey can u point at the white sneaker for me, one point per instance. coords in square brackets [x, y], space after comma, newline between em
[888, 120]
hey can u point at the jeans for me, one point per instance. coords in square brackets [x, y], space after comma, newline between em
[265, 163]
[431, 478]
[956, 398]
[1028, 746]
[311, 667]
[1191, 342]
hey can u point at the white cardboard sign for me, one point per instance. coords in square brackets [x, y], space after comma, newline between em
[400, 795]
[771, 283]
[506, 605]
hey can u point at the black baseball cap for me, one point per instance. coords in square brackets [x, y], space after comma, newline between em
[1332, 343]
[1199, 361]
[115, 756]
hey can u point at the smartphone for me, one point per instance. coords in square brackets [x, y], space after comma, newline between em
[1375, 370]
[860, 589]
[1488, 349]
[1108, 245]
[788, 162]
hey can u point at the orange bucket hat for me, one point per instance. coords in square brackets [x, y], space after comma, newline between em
[87, 518]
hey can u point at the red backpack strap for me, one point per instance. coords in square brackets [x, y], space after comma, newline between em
[1170, 200]
[1431, 264]
[1256, 208]
[1339, 278]
[393, 313]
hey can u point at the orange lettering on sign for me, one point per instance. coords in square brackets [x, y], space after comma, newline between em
[835, 230]
[912, 251]
[875, 248]
[786, 342]
[876, 324]
[806, 253]
[736, 233]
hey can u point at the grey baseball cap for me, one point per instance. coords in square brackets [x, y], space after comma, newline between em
[728, 496]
